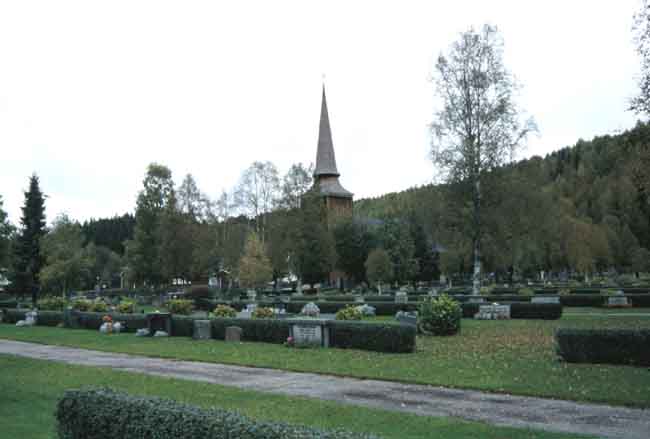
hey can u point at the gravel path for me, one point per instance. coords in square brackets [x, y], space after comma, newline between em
[496, 409]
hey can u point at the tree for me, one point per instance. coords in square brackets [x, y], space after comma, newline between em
[396, 239]
[143, 251]
[257, 193]
[6, 232]
[379, 267]
[478, 127]
[423, 252]
[175, 240]
[254, 267]
[297, 181]
[314, 252]
[353, 242]
[28, 259]
[66, 262]
[104, 264]
[191, 201]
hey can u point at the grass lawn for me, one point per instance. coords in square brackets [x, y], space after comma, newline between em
[31, 388]
[513, 356]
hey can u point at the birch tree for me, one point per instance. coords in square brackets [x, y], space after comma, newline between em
[478, 125]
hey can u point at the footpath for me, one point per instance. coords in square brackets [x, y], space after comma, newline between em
[496, 409]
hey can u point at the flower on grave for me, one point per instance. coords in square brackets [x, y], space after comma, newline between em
[107, 319]
[290, 342]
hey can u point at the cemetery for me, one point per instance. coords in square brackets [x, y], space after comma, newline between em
[504, 295]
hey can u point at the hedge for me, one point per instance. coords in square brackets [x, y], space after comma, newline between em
[9, 304]
[370, 336]
[609, 346]
[102, 413]
[593, 300]
[584, 291]
[260, 330]
[384, 337]
[545, 311]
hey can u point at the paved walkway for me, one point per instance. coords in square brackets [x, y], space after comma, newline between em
[496, 409]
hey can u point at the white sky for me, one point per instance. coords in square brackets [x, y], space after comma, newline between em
[91, 92]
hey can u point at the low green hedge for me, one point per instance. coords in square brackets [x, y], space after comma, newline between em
[518, 310]
[260, 330]
[592, 300]
[584, 291]
[380, 337]
[379, 298]
[8, 304]
[93, 320]
[608, 346]
[103, 413]
[639, 300]
[45, 318]
[545, 311]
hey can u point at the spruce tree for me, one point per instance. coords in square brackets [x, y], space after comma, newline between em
[28, 259]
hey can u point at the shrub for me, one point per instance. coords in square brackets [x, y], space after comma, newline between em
[526, 291]
[610, 346]
[594, 300]
[180, 306]
[102, 413]
[8, 304]
[225, 311]
[262, 312]
[126, 306]
[52, 303]
[440, 316]
[82, 304]
[350, 312]
[182, 326]
[98, 306]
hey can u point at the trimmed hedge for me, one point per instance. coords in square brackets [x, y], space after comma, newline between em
[8, 304]
[593, 300]
[380, 337]
[260, 330]
[609, 346]
[545, 311]
[93, 320]
[182, 326]
[102, 413]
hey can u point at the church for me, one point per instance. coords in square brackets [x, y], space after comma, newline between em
[337, 200]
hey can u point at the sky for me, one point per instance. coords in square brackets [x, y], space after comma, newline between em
[91, 92]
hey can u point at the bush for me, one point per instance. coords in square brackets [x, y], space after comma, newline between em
[102, 413]
[262, 312]
[8, 304]
[82, 305]
[182, 326]
[53, 303]
[126, 306]
[98, 306]
[225, 311]
[440, 316]
[380, 337]
[593, 300]
[609, 346]
[350, 312]
[180, 306]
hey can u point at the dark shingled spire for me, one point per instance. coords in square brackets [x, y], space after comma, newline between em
[325, 159]
[326, 176]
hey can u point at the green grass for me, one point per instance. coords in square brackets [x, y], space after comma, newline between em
[31, 388]
[515, 356]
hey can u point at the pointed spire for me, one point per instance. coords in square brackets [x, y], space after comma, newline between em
[325, 159]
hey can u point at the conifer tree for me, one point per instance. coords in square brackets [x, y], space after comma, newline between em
[28, 259]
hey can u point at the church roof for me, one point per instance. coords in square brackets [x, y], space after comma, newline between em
[331, 187]
[325, 159]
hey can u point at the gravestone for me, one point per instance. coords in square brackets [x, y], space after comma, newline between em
[202, 330]
[545, 300]
[476, 299]
[310, 309]
[367, 310]
[617, 300]
[407, 318]
[161, 334]
[233, 333]
[251, 294]
[358, 299]
[401, 297]
[142, 332]
[493, 312]
[159, 321]
[309, 333]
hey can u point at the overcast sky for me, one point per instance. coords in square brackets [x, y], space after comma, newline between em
[91, 92]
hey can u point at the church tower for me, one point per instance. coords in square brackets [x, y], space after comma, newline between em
[338, 200]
